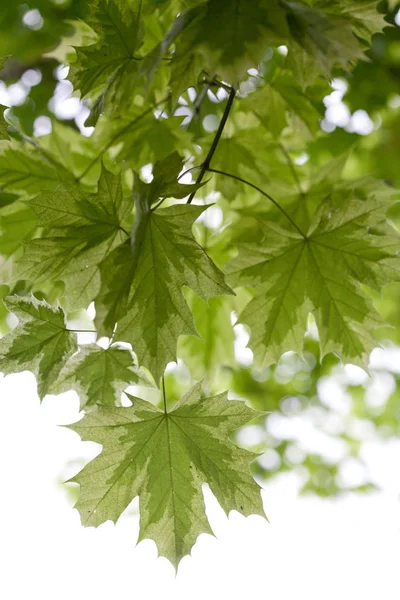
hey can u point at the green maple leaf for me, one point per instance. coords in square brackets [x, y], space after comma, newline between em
[40, 343]
[148, 303]
[231, 50]
[23, 172]
[81, 230]
[164, 459]
[99, 375]
[364, 17]
[282, 94]
[346, 243]
[142, 280]
[319, 41]
[107, 72]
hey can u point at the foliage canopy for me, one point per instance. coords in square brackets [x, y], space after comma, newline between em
[206, 189]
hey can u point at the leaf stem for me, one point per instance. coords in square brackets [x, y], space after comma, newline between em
[206, 164]
[188, 171]
[158, 204]
[164, 395]
[255, 187]
[82, 330]
[124, 230]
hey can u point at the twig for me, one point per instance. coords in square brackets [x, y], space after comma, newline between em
[206, 163]
[164, 395]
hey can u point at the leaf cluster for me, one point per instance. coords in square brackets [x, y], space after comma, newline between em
[188, 210]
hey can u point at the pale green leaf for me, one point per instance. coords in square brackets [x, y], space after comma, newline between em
[99, 375]
[142, 284]
[40, 343]
[347, 243]
[142, 280]
[106, 72]
[23, 172]
[81, 230]
[282, 94]
[164, 459]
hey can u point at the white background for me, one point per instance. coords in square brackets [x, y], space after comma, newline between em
[311, 549]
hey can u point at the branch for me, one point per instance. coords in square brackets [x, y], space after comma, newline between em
[261, 192]
[206, 163]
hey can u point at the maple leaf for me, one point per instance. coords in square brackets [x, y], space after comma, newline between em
[167, 258]
[237, 46]
[164, 458]
[319, 41]
[106, 72]
[99, 375]
[40, 343]
[280, 94]
[364, 16]
[345, 243]
[81, 230]
[151, 270]
[23, 172]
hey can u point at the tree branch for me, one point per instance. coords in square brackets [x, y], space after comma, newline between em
[211, 152]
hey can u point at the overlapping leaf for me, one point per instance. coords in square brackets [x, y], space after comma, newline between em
[142, 279]
[344, 243]
[24, 172]
[279, 93]
[106, 72]
[319, 37]
[143, 290]
[40, 343]
[164, 459]
[81, 230]
[99, 375]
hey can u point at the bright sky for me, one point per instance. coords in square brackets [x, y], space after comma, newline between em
[312, 549]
